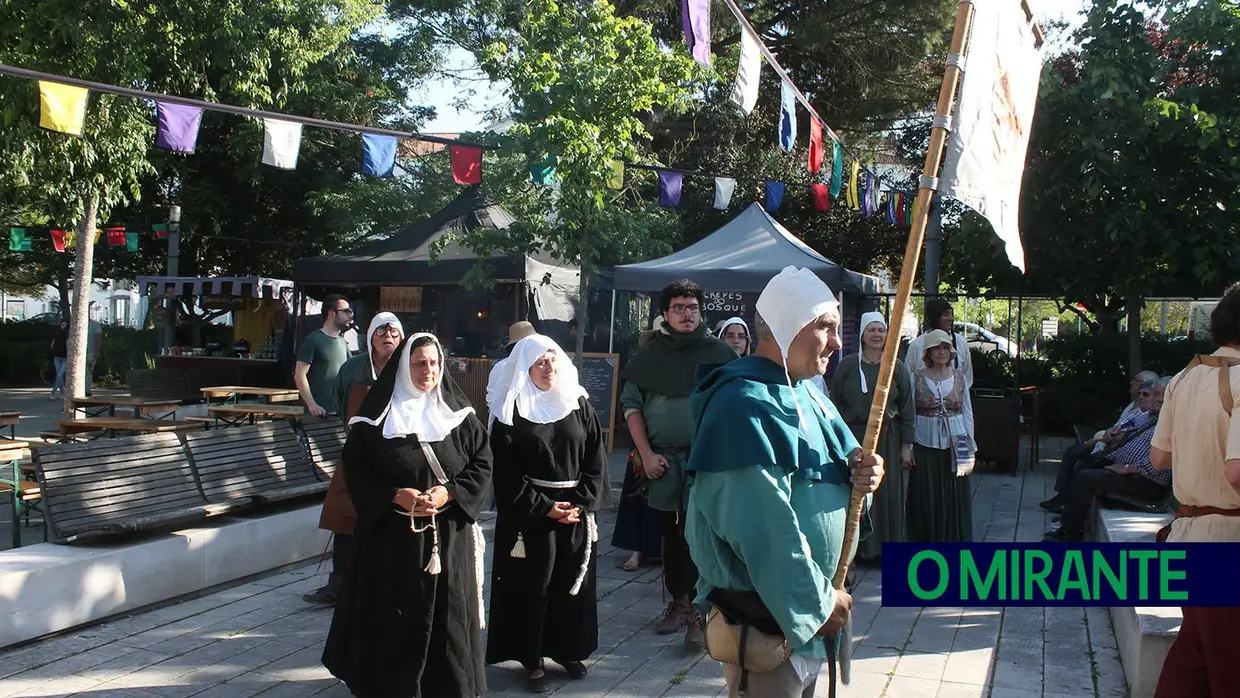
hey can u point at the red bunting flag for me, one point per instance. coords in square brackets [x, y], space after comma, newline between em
[466, 164]
[822, 197]
[58, 239]
[815, 145]
[116, 236]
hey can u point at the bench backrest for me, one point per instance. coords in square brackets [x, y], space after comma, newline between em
[159, 383]
[244, 462]
[87, 486]
[325, 441]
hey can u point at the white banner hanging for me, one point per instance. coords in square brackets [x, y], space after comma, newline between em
[281, 143]
[985, 158]
[724, 186]
[748, 74]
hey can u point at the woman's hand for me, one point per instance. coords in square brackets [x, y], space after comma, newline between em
[432, 501]
[406, 498]
[565, 513]
[906, 457]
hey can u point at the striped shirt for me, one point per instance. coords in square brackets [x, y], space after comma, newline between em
[1137, 452]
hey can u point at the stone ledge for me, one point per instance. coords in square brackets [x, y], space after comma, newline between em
[48, 588]
[1143, 634]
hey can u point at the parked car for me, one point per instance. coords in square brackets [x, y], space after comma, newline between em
[982, 339]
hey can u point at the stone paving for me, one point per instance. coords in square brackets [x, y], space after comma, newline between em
[259, 638]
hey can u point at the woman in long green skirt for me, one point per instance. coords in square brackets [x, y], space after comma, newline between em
[853, 393]
[940, 502]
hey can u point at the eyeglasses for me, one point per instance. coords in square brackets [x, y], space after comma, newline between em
[390, 330]
[346, 311]
[686, 309]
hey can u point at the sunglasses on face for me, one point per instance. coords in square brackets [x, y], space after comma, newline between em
[346, 311]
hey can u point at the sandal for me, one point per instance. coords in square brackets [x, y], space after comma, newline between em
[635, 561]
[537, 684]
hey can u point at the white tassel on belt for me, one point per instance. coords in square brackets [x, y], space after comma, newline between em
[591, 537]
[434, 566]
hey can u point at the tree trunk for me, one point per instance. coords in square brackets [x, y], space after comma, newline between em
[1134, 334]
[75, 371]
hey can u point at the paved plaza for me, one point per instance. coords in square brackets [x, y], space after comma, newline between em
[260, 638]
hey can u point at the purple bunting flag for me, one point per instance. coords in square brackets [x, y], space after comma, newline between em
[178, 127]
[669, 188]
[695, 16]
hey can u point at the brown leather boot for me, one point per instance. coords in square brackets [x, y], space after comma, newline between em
[695, 632]
[675, 617]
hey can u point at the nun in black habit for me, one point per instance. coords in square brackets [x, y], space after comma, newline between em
[417, 465]
[550, 478]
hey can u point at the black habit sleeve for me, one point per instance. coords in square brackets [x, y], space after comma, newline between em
[370, 494]
[593, 460]
[511, 487]
[468, 487]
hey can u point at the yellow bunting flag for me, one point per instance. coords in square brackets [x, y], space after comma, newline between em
[62, 107]
[853, 197]
[616, 181]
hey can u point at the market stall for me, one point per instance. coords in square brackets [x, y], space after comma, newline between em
[256, 309]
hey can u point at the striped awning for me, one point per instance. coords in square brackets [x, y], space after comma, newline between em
[254, 286]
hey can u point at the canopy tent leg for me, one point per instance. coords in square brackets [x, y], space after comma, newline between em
[611, 331]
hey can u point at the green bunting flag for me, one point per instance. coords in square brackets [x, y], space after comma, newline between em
[543, 173]
[131, 242]
[18, 242]
[160, 229]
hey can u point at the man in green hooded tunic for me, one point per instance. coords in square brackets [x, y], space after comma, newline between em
[772, 469]
[655, 400]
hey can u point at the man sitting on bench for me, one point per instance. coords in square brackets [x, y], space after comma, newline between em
[1129, 474]
[1135, 416]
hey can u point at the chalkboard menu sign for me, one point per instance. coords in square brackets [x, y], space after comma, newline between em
[599, 374]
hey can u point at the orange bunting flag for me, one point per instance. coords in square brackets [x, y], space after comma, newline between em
[62, 107]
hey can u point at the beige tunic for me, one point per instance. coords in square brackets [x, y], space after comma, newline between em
[1201, 437]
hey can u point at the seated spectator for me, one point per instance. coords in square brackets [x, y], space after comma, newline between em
[1132, 416]
[1075, 458]
[1129, 473]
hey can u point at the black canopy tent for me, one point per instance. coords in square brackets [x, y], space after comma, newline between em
[534, 282]
[741, 257]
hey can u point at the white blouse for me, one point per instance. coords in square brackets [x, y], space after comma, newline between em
[929, 429]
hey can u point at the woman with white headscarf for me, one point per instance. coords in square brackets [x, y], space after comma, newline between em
[550, 478]
[852, 391]
[735, 332]
[417, 464]
[940, 504]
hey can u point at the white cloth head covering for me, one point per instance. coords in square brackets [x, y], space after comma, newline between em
[790, 301]
[511, 391]
[736, 321]
[867, 319]
[375, 323]
[411, 411]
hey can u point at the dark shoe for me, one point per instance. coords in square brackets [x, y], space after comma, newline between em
[536, 685]
[326, 595]
[675, 617]
[576, 670]
[695, 634]
[1054, 505]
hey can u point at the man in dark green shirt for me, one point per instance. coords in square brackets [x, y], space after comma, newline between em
[655, 400]
[320, 357]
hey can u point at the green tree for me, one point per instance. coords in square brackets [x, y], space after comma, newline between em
[1132, 180]
[580, 77]
[314, 57]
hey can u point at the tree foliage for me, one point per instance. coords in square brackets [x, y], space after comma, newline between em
[1132, 182]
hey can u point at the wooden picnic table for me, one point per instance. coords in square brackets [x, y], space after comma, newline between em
[98, 405]
[230, 393]
[10, 420]
[136, 425]
[17, 479]
[234, 415]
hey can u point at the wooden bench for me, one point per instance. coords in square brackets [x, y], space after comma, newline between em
[124, 485]
[264, 463]
[17, 481]
[235, 415]
[324, 442]
[161, 384]
[10, 420]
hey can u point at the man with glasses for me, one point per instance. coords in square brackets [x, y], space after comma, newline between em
[655, 401]
[320, 357]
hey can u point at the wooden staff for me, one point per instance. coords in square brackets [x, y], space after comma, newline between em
[912, 252]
